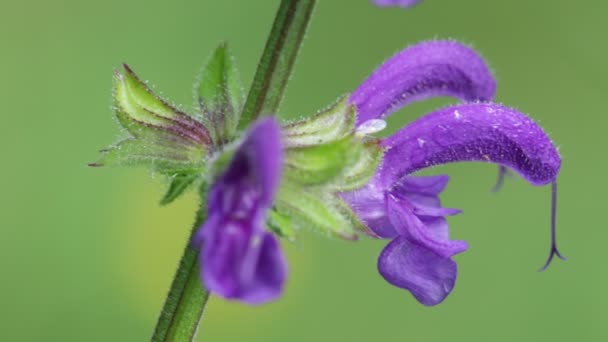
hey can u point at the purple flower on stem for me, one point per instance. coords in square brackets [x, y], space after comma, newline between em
[406, 208]
[240, 259]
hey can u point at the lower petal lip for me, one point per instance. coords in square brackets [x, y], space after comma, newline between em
[429, 277]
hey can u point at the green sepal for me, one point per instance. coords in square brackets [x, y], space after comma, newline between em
[281, 224]
[219, 95]
[313, 210]
[221, 160]
[161, 138]
[324, 156]
[140, 111]
[179, 184]
[164, 158]
[325, 149]
[320, 164]
[346, 211]
[357, 174]
[331, 124]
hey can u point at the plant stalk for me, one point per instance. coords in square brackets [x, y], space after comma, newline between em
[180, 317]
[183, 309]
[277, 61]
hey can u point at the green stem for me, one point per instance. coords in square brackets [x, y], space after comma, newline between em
[187, 298]
[277, 60]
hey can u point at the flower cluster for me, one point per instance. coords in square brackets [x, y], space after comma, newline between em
[329, 172]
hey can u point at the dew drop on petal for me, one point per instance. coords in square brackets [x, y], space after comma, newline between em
[371, 126]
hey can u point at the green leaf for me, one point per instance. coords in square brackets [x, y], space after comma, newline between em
[219, 94]
[331, 124]
[179, 184]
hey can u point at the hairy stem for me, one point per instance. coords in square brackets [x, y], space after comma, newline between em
[185, 303]
[179, 319]
[277, 60]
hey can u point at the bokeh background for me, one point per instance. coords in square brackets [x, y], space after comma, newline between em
[88, 254]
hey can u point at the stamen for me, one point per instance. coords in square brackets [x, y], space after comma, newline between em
[502, 172]
[554, 251]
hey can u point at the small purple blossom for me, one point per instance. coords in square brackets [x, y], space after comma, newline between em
[399, 3]
[240, 259]
[406, 208]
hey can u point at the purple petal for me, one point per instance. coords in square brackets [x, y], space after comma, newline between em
[240, 259]
[225, 246]
[484, 132]
[419, 194]
[240, 263]
[423, 192]
[268, 271]
[429, 232]
[427, 275]
[434, 211]
[259, 160]
[419, 258]
[369, 204]
[434, 68]
[424, 185]
[399, 3]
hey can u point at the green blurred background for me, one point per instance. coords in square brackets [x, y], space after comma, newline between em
[88, 255]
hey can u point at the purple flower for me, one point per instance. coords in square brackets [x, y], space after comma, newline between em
[400, 3]
[406, 208]
[240, 259]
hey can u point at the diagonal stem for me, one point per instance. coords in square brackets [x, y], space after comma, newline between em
[185, 303]
[277, 60]
[179, 319]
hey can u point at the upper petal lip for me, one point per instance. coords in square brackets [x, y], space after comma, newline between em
[483, 132]
[428, 69]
